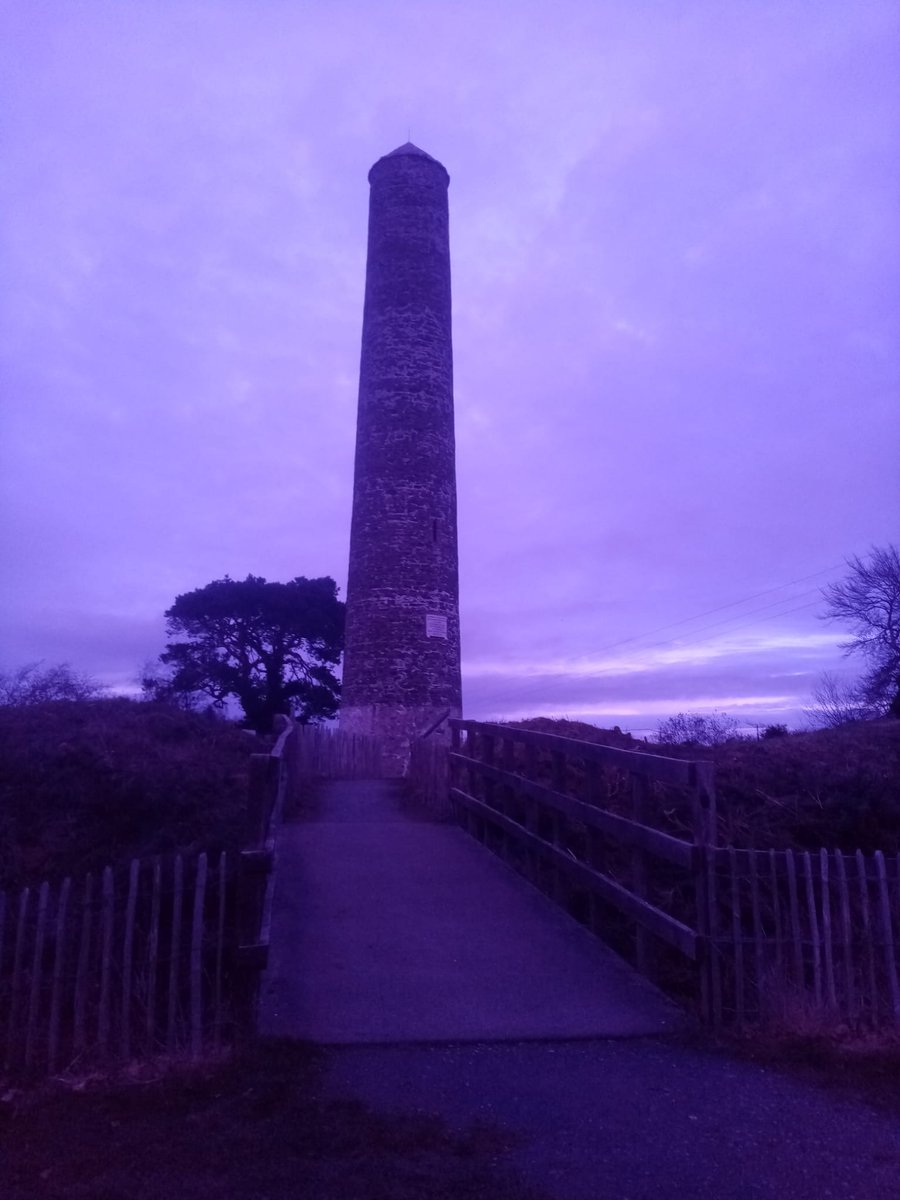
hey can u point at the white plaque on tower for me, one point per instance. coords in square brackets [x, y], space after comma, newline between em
[435, 625]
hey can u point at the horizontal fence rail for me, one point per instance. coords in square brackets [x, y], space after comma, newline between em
[116, 965]
[537, 800]
[271, 778]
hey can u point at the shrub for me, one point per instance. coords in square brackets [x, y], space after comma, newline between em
[36, 684]
[91, 782]
[697, 729]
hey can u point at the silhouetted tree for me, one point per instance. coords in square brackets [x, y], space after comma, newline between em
[868, 600]
[270, 646]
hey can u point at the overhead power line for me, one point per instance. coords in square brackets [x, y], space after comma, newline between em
[740, 617]
[719, 608]
[526, 687]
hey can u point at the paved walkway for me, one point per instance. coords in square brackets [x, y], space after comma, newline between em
[636, 1119]
[389, 930]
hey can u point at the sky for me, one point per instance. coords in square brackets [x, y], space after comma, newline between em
[676, 285]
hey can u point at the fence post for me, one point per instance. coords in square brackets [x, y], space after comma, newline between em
[737, 936]
[559, 880]
[36, 973]
[704, 821]
[128, 957]
[453, 771]
[175, 943]
[107, 917]
[196, 959]
[494, 839]
[595, 843]
[58, 967]
[890, 961]
[257, 801]
[79, 1035]
[266, 791]
[639, 808]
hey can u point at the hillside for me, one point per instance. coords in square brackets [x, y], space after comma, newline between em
[831, 787]
[87, 783]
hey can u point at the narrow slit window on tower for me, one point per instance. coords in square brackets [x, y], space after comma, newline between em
[434, 530]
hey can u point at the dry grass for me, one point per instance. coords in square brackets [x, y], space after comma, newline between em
[828, 1055]
[261, 1125]
[86, 783]
[831, 787]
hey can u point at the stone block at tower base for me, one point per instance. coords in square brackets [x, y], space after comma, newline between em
[396, 726]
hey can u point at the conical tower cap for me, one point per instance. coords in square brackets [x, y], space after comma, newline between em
[408, 150]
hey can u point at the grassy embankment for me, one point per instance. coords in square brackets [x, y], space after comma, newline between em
[88, 783]
[838, 788]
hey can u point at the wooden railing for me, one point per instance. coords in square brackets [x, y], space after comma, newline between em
[270, 777]
[543, 803]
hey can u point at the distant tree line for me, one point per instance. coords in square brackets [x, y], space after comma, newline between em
[274, 648]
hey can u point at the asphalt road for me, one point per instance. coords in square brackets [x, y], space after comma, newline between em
[640, 1119]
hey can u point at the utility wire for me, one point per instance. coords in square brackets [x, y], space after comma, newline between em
[527, 686]
[719, 608]
[740, 617]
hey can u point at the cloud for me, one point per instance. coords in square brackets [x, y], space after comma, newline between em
[675, 256]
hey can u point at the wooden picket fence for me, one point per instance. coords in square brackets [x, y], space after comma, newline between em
[161, 956]
[319, 752]
[805, 935]
[118, 965]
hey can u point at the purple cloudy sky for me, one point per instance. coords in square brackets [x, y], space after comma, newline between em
[676, 256]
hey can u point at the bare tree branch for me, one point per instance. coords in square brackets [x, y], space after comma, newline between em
[868, 602]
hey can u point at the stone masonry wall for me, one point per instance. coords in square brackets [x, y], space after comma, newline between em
[402, 659]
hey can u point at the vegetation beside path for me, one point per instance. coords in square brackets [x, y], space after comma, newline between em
[86, 783]
[262, 1125]
[864, 1067]
[838, 788]
[258, 1127]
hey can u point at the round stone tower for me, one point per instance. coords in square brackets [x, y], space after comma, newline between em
[401, 657]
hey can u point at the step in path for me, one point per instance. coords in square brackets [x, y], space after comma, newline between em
[388, 930]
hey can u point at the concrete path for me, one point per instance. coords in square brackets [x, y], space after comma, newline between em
[388, 929]
[637, 1119]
